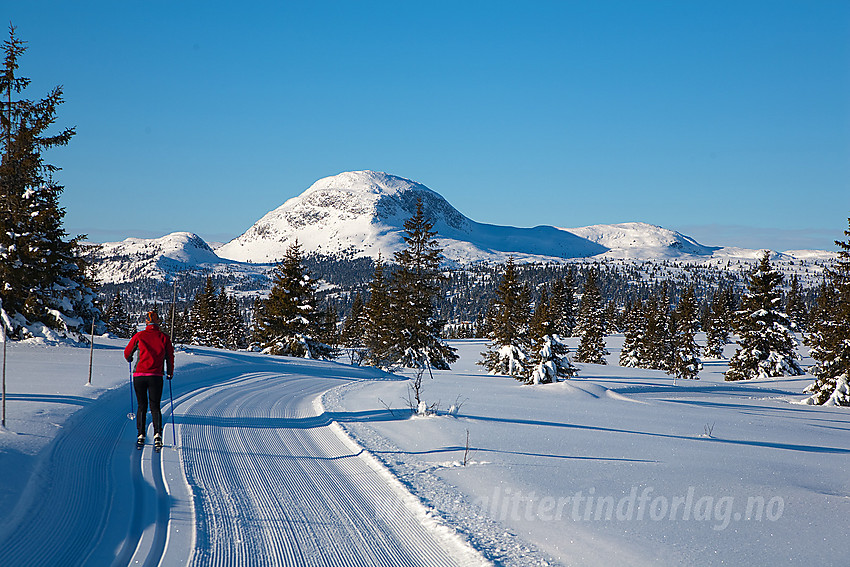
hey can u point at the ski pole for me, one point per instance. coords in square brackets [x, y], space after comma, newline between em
[132, 414]
[171, 395]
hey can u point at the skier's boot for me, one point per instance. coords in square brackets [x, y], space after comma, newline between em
[140, 441]
[157, 441]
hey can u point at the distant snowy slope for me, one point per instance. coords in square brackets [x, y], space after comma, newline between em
[641, 240]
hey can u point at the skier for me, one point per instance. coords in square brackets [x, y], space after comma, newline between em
[155, 353]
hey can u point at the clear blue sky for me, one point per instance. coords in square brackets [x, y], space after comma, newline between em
[726, 120]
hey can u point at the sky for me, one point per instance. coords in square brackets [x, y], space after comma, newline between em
[728, 121]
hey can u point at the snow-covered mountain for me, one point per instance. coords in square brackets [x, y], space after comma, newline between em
[142, 258]
[361, 213]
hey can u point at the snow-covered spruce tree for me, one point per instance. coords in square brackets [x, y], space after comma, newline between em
[43, 284]
[328, 332]
[685, 361]
[548, 360]
[232, 332]
[414, 287]
[830, 336]
[352, 334]
[117, 319]
[766, 343]
[507, 323]
[718, 324]
[377, 325]
[632, 355]
[288, 321]
[181, 330]
[562, 305]
[657, 344]
[353, 327]
[795, 307]
[203, 317]
[590, 327]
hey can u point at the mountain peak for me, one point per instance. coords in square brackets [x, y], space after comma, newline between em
[362, 213]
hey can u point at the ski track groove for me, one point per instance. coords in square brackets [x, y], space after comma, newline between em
[286, 491]
[272, 484]
[75, 491]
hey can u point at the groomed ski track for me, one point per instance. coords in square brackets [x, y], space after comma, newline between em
[260, 475]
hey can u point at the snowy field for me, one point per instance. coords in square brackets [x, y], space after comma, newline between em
[618, 467]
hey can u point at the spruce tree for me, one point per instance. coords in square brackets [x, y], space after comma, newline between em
[766, 342]
[507, 322]
[562, 305]
[414, 287]
[204, 317]
[830, 337]
[717, 325]
[795, 307]
[378, 329]
[548, 359]
[42, 275]
[632, 354]
[657, 344]
[591, 324]
[685, 362]
[288, 323]
[117, 319]
[353, 327]
[233, 334]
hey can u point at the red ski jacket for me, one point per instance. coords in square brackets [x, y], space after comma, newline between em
[155, 351]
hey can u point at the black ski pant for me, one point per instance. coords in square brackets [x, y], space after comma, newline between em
[148, 387]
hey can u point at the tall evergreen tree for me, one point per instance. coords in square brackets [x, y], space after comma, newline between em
[180, 333]
[632, 354]
[657, 344]
[766, 342]
[233, 333]
[378, 329]
[591, 323]
[117, 319]
[203, 317]
[414, 287]
[685, 362]
[795, 307]
[717, 324]
[507, 321]
[353, 327]
[830, 337]
[42, 275]
[288, 323]
[562, 305]
[548, 359]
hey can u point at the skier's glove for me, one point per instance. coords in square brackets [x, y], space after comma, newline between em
[170, 376]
